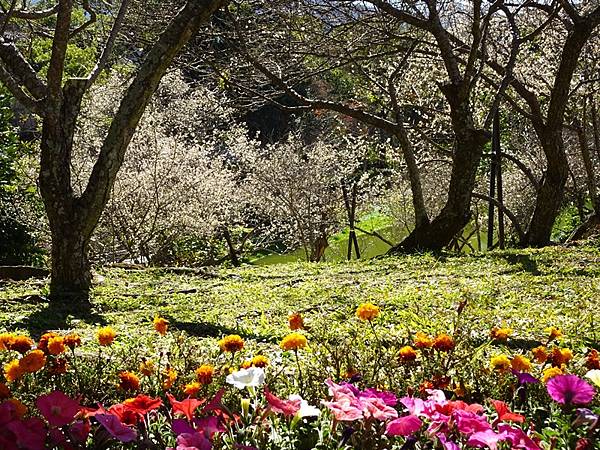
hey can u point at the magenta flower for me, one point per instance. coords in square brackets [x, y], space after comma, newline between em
[486, 439]
[389, 398]
[29, 434]
[517, 437]
[193, 441]
[115, 427]
[403, 426]
[570, 390]
[57, 408]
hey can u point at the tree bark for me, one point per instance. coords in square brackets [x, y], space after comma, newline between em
[456, 213]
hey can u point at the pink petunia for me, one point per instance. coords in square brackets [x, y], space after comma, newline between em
[115, 427]
[377, 408]
[469, 423]
[404, 426]
[30, 434]
[57, 408]
[486, 439]
[193, 441]
[570, 390]
[280, 406]
[518, 438]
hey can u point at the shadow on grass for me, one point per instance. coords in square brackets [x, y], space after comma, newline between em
[527, 264]
[55, 316]
[199, 329]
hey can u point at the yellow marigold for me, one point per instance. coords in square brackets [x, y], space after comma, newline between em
[32, 361]
[408, 354]
[553, 333]
[260, 361]
[295, 321]
[232, 343]
[500, 334]
[246, 364]
[21, 344]
[443, 342]
[5, 340]
[160, 325]
[13, 371]
[561, 356]
[147, 367]
[520, 363]
[500, 362]
[72, 340]
[192, 389]
[106, 336]
[551, 372]
[540, 354]
[128, 381]
[422, 341]
[170, 376]
[205, 373]
[367, 311]
[56, 345]
[20, 408]
[293, 341]
[4, 391]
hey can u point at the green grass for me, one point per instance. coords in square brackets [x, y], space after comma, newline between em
[528, 290]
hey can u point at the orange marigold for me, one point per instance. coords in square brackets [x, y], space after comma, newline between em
[106, 336]
[21, 344]
[293, 341]
[170, 376]
[260, 361]
[56, 345]
[32, 361]
[408, 354]
[500, 334]
[20, 408]
[43, 342]
[367, 311]
[551, 372]
[128, 381]
[232, 343]
[161, 325]
[4, 391]
[205, 373]
[58, 366]
[592, 360]
[422, 341]
[72, 341]
[443, 343]
[560, 356]
[295, 321]
[192, 388]
[540, 354]
[147, 367]
[13, 371]
[520, 363]
[5, 340]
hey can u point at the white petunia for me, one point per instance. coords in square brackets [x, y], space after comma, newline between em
[305, 410]
[247, 378]
[594, 375]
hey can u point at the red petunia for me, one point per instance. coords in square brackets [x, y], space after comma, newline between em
[186, 407]
[505, 414]
[142, 404]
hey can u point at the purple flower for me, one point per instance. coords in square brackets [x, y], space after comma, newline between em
[524, 377]
[570, 389]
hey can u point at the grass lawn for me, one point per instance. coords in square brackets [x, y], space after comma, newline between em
[527, 290]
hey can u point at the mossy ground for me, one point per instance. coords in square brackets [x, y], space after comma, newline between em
[527, 290]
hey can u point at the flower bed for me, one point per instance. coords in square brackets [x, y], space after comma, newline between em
[377, 387]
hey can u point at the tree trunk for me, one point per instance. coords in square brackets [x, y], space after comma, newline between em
[71, 276]
[469, 146]
[551, 192]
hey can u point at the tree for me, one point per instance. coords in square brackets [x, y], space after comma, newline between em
[373, 40]
[72, 218]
